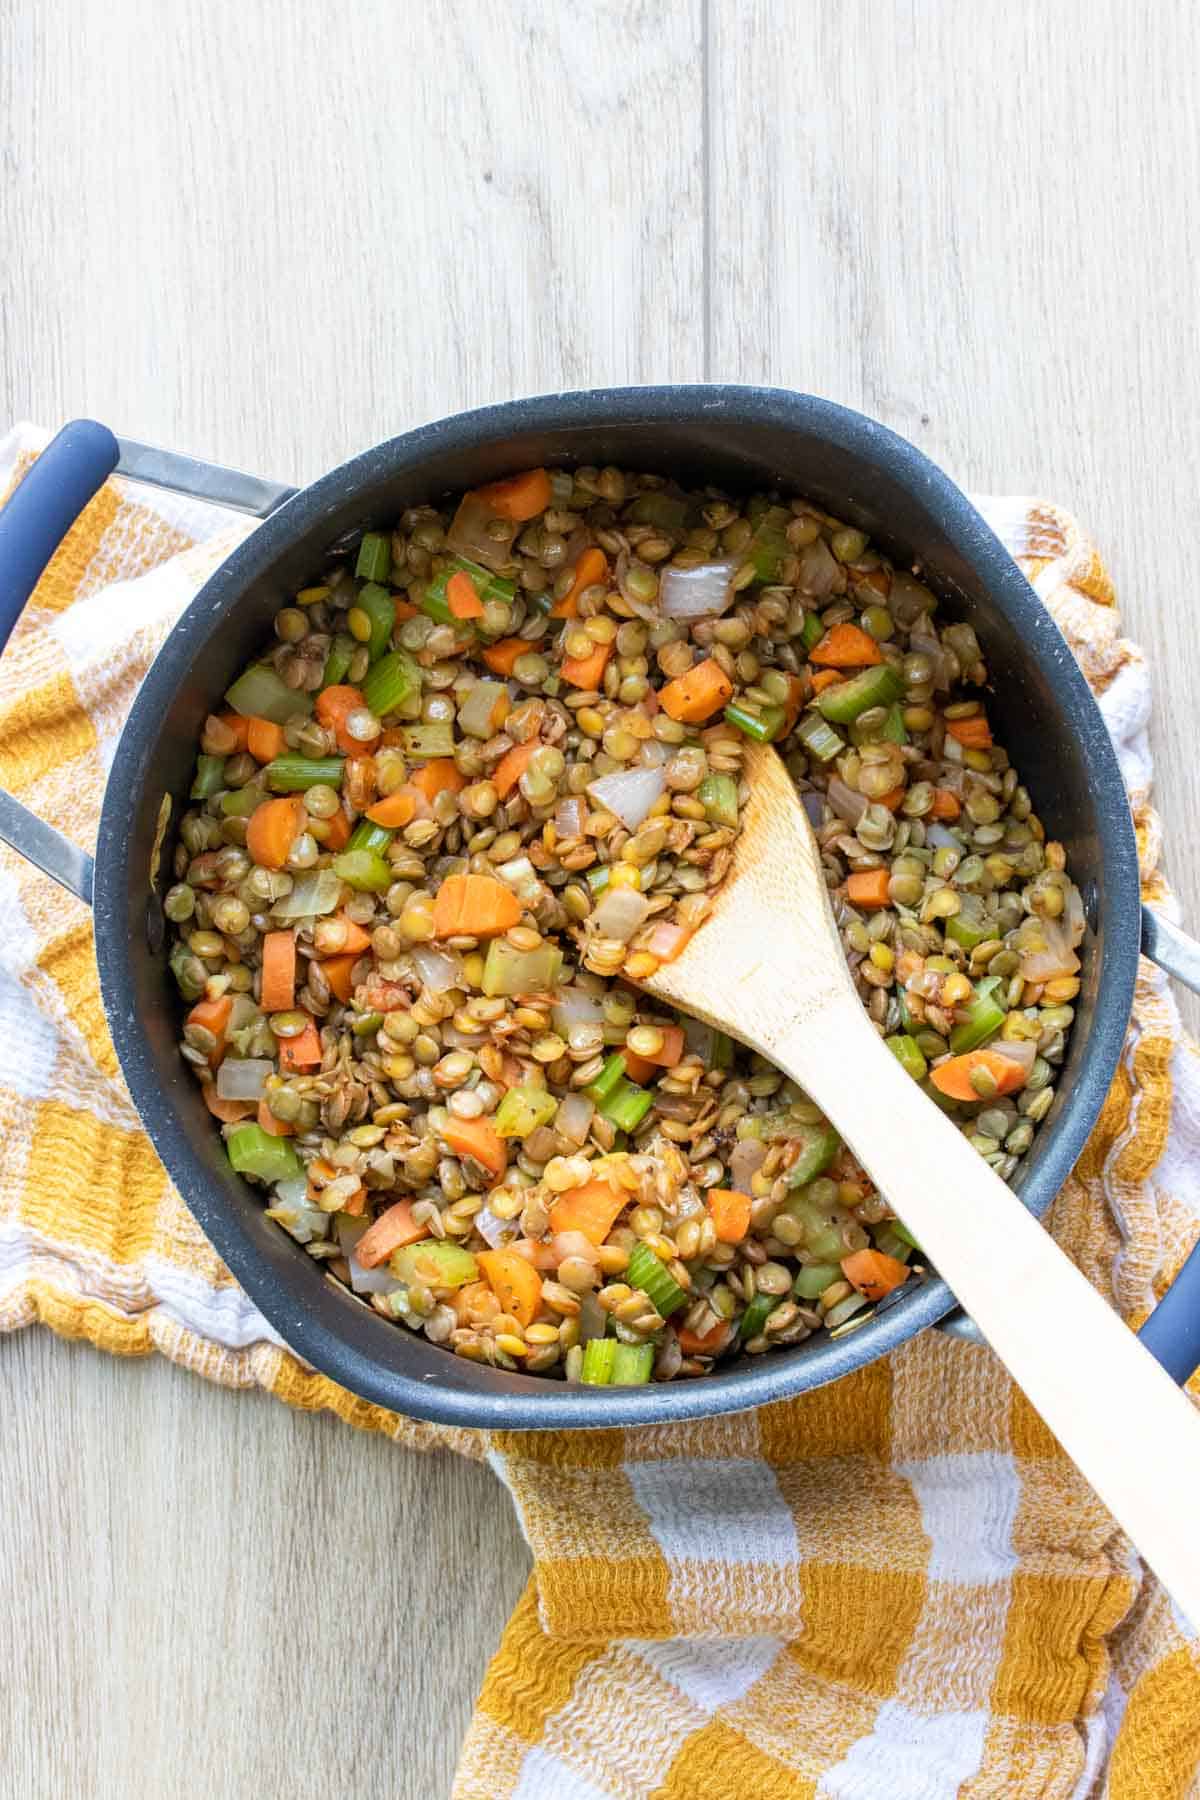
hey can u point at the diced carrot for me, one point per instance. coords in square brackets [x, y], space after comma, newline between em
[667, 941]
[405, 609]
[477, 1138]
[392, 1230]
[336, 970]
[511, 767]
[395, 809]
[474, 906]
[334, 706]
[873, 1273]
[953, 1077]
[356, 1205]
[973, 734]
[708, 1343]
[239, 726]
[278, 984]
[461, 597]
[357, 939]
[515, 1283]
[265, 740]
[433, 778]
[945, 804]
[825, 678]
[591, 568]
[302, 1052]
[893, 797]
[793, 703]
[537, 1251]
[337, 832]
[271, 1125]
[501, 655]
[846, 647]
[228, 1111]
[868, 887]
[587, 672]
[638, 1068]
[272, 830]
[697, 695]
[730, 1213]
[592, 1209]
[213, 1015]
[518, 497]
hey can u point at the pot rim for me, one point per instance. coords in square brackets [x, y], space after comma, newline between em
[525, 1402]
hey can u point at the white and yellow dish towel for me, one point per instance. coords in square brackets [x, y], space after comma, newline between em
[895, 1588]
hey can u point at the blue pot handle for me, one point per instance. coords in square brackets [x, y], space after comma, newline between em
[41, 511]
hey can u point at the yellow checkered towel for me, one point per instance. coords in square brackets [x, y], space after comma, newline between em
[894, 1587]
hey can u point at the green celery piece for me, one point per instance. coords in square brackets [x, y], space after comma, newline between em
[889, 1240]
[508, 970]
[900, 1230]
[434, 1263]
[599, 877]
[908, 1055]
[599, 1354]
[487, 586]
[894, 729]
[380, 607]
[628, 1106]
[968, 930]
[369, 836]
[718, 795]
[984, 1018]
[819, 738]
[906, 1019]
[819, 1144]
[877, 686]
[522, 1110]
[436, 606]
[253, 1151]
[647, 1273]
[607, 1081]
[390, 682]
[763, 726]
[722, 1051]
[757, 1314]
[656, 507]
[259, 693]
[814, 1278]
[239, 803]
[769, 545]
[291, 774]
[813, 631]
[341, 653]
[178, 962]
[210, 777]
[428, 742]
[632, 1363]
[374, 557]
[365, 870]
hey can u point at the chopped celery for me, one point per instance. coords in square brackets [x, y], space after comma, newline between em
[668, 511]
[390, 682]
[763, 726]
[984, 1018]
[427, 742]
[769, 546]
[607, 1081]
[259, 693]
[523, 1109]
[889, 1240]
[894, 728]
[341, 653]
[487, 587]
[900, 1230]
[757, 1314]
[210, 777]
[967, 926]
[647, 1273]
[188, 971]
[599, 1354]
[599, 877]
[632, 1363]
[814, 1278]
[628, 1106]
[722, 1051]
[369, 836]
[819, 738]
[363, 869]
[907, 1022]
[374, 557]
[908, 1055]
[435, 1263]
[291, 774]
[877, 686]
[718, 795]
[380, 607]
[253, 1151]
[511, 971]
[239, 803]
[819, 1144]
[813, 631]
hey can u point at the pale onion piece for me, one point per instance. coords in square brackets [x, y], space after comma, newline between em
[621, 912]
[569, 816]
[1051, 957]
[747, 1159]
[477, 715]
[629, 794]
[243, 1077]
[523, 878]
[1021, 1051]
[379, 1280]
[469, 536]
[701, 593]
[575, 1006]
[845, 802]
[688, 1203]
[498, 1232]
[438, 969]
[574, 1117]
[652, 754]
[574, 1243]
[1074, 917]
[297, 1214]
[315, 892]
[819, 570]
[593, 1320]
[667, 940]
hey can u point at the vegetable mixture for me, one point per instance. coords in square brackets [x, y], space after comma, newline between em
[487, 774]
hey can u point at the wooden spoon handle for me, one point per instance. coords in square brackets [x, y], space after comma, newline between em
[1116, 1412]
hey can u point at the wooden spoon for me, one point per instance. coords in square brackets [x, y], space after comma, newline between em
[768, 967]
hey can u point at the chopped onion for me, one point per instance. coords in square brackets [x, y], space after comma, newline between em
[1018, 1050]
[629, 794]
[575, 1006]
[574, 1243]
[469, 536]
[438, 969]
[701, 593]
[570, 815]
[593, 1320]
[819, 570]
[523, 878]
[749, 1155]
[1074, 918]
[620, 913]
[667, 940]
[297, 1214]
[498, 1232]
[1046, 951]
[243, 1077]
[486, 704]
[845, 802]
[574, 1118]
[313, 893]
[688, 1204]
[379, 1280]
[654, 754]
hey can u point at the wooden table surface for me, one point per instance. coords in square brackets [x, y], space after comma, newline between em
[273, 234]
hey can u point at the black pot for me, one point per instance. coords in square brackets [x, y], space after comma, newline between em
[739, 437]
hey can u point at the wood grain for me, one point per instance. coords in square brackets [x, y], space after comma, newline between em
[273, 234]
